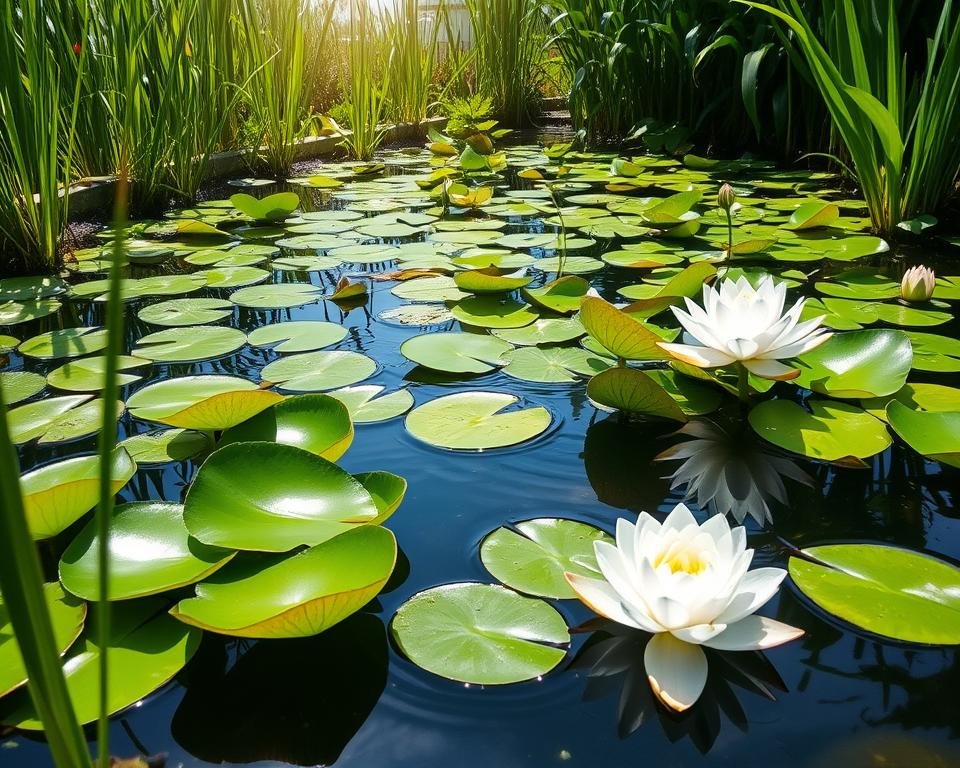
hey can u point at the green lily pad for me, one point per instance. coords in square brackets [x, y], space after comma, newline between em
[900, 314]
[830, 431]
[57, 419]
[8, 343]
[270, 497]
[859, 284]
[180, 312]
[69, 342]
[488, 280]
[532, 556]
[367, 406]
[233, 277]
[693, 398]
[16, 312]
[857, 364]
[815, 213]
[319, 371]
[150, 552]
[476, 421]
[20, 385]
[631, 257]
[205, 402]
[316, 423]
[632, 391]
[563, 296]
[88, 374]
[493, 312]
[903, 595]
[146, 649]
[456, 352]
[553, 365]
[67, 615]
[624, 335]
[926, 397]
[934, 434]
[544, 331]
[31, 288]
[571, 265]
[429, 289]
[165, 445]
[932, 352]
[276, 296]
[296, 596]
[305, 263]
[387, 491]
[270, 208]
[57, 495]
[297, 336]
[204, 342]
[481, 634]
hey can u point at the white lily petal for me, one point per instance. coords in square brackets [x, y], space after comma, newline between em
[699, 633]
[755, 590]
[677, 671]
[754, 633]
[599, 596]
[770, 369]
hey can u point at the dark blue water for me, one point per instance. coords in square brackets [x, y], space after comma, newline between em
[837, 697]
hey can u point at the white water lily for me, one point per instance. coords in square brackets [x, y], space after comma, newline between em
[689, 585]
[742, 324]
[918, 284]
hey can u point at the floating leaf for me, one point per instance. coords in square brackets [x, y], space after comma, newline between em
[57, 495]
[456, 352]
[493, 312]
[903, 595]
[480, 633]
[276, 296]
[150, 552]
[205, 342]
[20, 385]
[299, 595]
[935, 353]
[180, 312]
[366, 405]
[429, 289]
[69, 342]
[57, 419]
[553, 365]
[563, 296]
[297, 336]
[532, 556]
[815, 213]
[488, 280]
[619, 332]
[89, 373]
[270, 208]
[632, 391]
[166, 445]
[934, 434]
[315, 423]
[30, 288]
[15, 312]
[544, 331]
[319, 371]
[476, 421]
[270, 497]
[857, 364]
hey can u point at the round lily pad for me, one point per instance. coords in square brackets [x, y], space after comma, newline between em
[298, 595]
[15, 312]
[270, 497]
[903, 595]
[476, 421]
[204, 342]
[857, 364]
[297, 336]
[69, 342]
[150, 552]
[165, 445]
[88, 374]
[366, 405]
[533, 556]
[553, 330]
[20, 385]
[933, 352]
[492, 312]
[319, 371]
[223, 276]
[429, 289]
[276, 296]
[57, 419]
[563, 295]
[30, 288]
[553, 365]
[456, 352]
[480, 633]
[179, 312]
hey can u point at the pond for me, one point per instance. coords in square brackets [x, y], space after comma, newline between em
[350, 696]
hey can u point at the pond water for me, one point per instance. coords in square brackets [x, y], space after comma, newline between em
[350, 698]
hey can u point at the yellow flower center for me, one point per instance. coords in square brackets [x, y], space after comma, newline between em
[679, 558]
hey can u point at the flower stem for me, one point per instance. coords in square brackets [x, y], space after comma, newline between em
[729, 234]
[743, 385]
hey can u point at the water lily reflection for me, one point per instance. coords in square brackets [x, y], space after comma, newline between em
[689, 585]
[730, 473]
[613, 657]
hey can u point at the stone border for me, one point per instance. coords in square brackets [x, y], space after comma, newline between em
[95, 195]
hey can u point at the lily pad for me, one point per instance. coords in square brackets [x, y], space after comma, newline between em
[367, 406]
[545, 331]
[553, 365]
[456, 352]
[387, 491]
[15, 312]
[492, 312]
[934, 434]
[69, 342]
[20, 385]
[932, 352]
[533, 556]
[563, 296]
[56, 419]
[150, 552]
[276, 296]
[296, 596]
[31, 288]
[633, 391]
[476, 421]
[903, 595]
[88, 374]
[205, 342]
[165, 445]
[488, 280]
[57, 495]
[319, 371]
[830, 431]
[270, 208]
[180, 312]
[815, 213]
[270, 497]
[619, 332]
[481, 634]
[315, 423]
[857, 364]
[297, 336]
[429, 289]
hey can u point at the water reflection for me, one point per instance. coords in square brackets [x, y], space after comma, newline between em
[295, 701]
[613, 658]
[727, 469]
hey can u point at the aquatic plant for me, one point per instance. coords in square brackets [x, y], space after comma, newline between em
[918, 284]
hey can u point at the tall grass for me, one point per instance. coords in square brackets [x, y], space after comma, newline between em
[898, 119]
[509, 38]
[414, 38]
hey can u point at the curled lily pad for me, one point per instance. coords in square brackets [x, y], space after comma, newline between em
[89, 373]
[456, 352]
[829, 431]
[480, 633]
[533, 556]
[146, 649]
[298, 595]
[318, 371]
[904, 595]
[20, 385]
[67, 615]
[935, 434]
[633, 391]
[366, 405]
[857, 364]
[69, 342]
[476, 421]
[206, 342]
[815, 213]
[150, 552]
[165, 445]
[57, 495]
[315, 423]
[179, 312]
[387, 491]
[555, 364]
[271, 497]
[619, 332]
[562, 296]
[297, 336]
[201, 402]
[489, 280]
